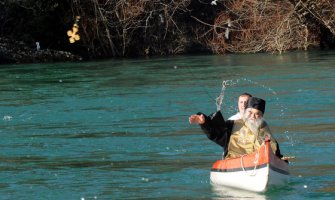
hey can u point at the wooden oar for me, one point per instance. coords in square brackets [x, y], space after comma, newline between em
[288, 158]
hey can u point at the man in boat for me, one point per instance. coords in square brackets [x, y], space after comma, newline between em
[241, 104]
[238, 137]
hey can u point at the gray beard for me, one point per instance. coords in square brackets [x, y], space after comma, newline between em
[254, 126]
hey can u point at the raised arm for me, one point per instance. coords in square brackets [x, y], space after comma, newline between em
[214, 126]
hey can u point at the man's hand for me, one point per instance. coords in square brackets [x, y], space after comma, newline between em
[197, 119]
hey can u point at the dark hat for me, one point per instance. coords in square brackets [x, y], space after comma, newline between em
[257, 103]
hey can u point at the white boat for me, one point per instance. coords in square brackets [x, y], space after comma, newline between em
[225, 193]
[253, 172]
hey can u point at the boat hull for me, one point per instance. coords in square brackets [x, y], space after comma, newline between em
[254, 172]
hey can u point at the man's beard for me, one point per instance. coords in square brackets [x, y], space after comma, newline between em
[253, 125]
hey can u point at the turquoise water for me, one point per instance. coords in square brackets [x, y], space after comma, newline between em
[118, 129]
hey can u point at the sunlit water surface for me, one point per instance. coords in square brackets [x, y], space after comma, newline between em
[119, 129]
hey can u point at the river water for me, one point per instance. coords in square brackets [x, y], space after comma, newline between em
[118, 129]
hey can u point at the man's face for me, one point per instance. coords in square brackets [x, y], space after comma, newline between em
[242, 103]
[253, 114]
[253, 119]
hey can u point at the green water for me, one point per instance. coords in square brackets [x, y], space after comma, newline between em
[119, 129]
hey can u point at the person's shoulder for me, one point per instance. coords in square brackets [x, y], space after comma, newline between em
[238, 121]
[264, 124]
[235, 117]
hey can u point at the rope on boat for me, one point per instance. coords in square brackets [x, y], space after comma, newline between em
[256, 161]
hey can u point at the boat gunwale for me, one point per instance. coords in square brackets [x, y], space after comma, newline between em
[239, 168]
[266, 158]
[272, 167]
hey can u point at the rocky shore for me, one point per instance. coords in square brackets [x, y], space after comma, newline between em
[12, 51]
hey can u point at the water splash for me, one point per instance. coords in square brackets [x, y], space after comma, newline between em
[220, 98]
[272, 92]
[234, 82]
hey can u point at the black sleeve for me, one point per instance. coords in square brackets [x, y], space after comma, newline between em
[217, 129]
[278, 154]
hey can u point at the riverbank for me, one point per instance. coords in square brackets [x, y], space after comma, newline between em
[12, 51]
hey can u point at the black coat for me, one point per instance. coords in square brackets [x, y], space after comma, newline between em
[219, 131]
